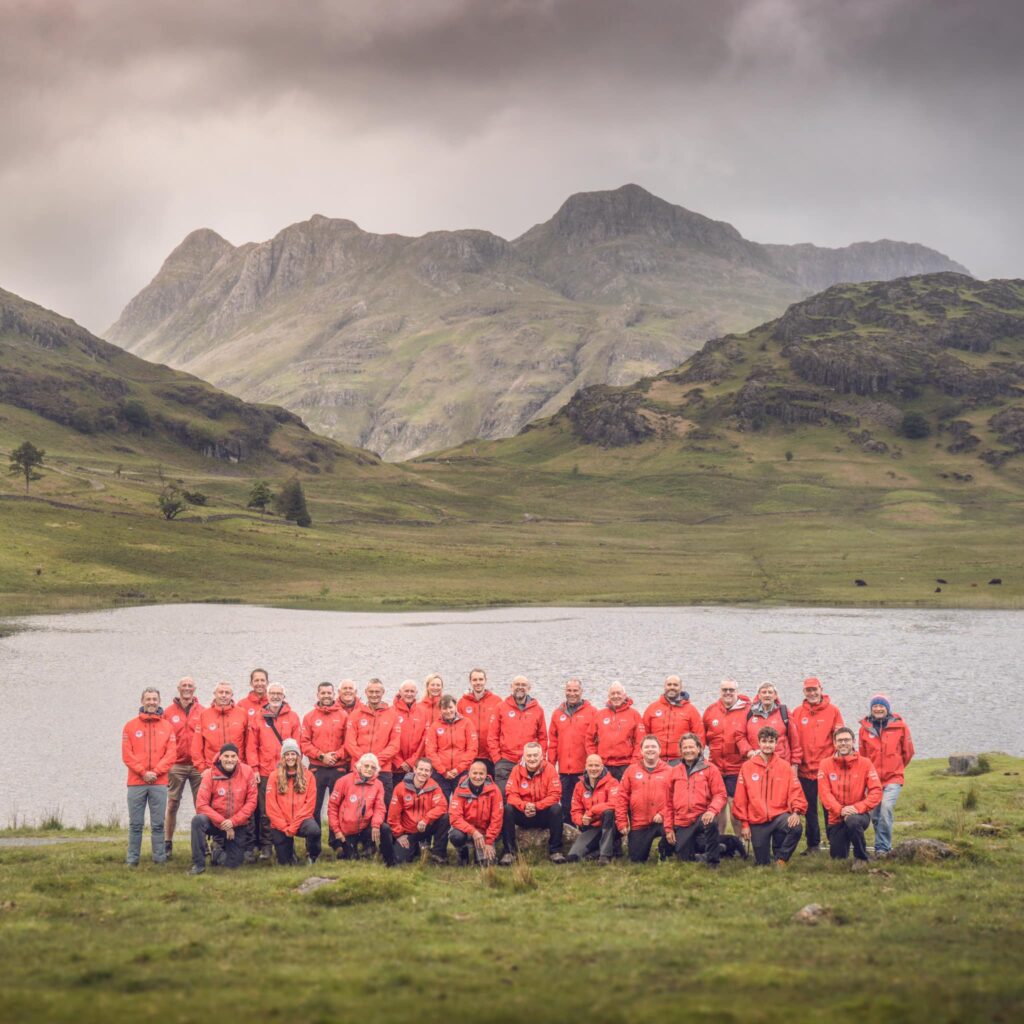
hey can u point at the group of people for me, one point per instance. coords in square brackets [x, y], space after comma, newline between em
[429, 770]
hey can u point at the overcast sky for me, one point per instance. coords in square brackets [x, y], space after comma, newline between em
[125, 124]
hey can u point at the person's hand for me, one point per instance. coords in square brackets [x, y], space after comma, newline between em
[530, 810]
[745, 833]
[706, 818]
[230, 834]
[657, 820]
[489, 854]
[149, 778]
[403, 841]
[451, 775]
[625, 829]
[478, 842]
[375, 835]
[848, 810]
[330, 759]
[227, 824]
[256, 776]
[793, 820]
[750, 754]
[670, 836]
[421, 826]
[586, 818]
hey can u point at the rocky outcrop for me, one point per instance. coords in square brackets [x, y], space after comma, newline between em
[602, 416]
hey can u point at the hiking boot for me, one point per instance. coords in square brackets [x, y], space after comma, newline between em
[810, 851]
[197, 869]
[507, 860]
[310, 861]
[557, 857]
[168, 847]
[249, 858]
[464, 857]
[603, 862]
[859, 865]
[781, 865]
[266, 852]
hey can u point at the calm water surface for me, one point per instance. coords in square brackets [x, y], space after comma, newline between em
[68, 683]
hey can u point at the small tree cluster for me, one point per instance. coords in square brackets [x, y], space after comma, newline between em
[914, 426]
[291, 503]
[24, 461]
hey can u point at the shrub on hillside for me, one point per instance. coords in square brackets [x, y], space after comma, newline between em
[915, 426]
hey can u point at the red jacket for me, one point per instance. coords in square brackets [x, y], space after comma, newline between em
[616, 734]
[643, 794]
[788, 746]
[412, 722]
[594, 800]
[184, 724]
[409, 807]
[471, 812]
[355, 804]
[848, 781]
[287, 811]
[216, 726]
[890, 747]
[451, 745]
[262, 747]
[431, 708]
[223, 796]
[543, 789]
[694, 792]
[323, 732]
[512, 729]
[481, 713]
[250, 704]
[373, 732]
[567, 737]
[669, 721]
[764, 791]
[722, 730]
[815, 724]
[148, 744]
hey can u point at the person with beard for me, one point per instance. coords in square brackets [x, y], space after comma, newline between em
[885, 740]
[593, 812]
[479, 705]
[696, 796]
[518, 720]
[476, 813]
[322, 740]
[850, 789]
[450, 745]
[183, 714]
[419, 813]
[724, 721]
[225, 805]
[670, 717]
[567, 739]
[616, 732]
[291, 799]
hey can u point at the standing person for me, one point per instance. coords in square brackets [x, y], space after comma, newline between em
[148, 749]
[767, 710]
[816, 721]
[670, 717]
[322, 740]
[567, 739]
[268, 729]
[518, 720]
[183, 714]
[224, 809]
[291, 801]
[433, 687]
[222, 722]
[256, 698]
[642, 801]
[480, 706]
[696, 796]
[348, 696]
[593, 812]
[412, 720]
[616, 732]
[357, 811]
[373, 729]
[724, 722]
[450, 745]
[532, 801]
[419, 812]
[885, 739]
[476, 813]
[850, 789]
[769, 803]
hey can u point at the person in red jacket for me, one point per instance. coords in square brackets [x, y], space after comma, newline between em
[357, 810]
[430, 703]
[256, 698]
[348, 697]
[696, 796]
[373, 728]
[767, 710]
[268, 729]
[616, 732]
[451, 745]
[291, 799]
[593, 813]
[148, 749]
[183, 714]
[224, 809]
[413, 717]
[479, 706]
[532, 800]
[567, 739]
[769, 803]
[641, 803]
[419, 812]
[476, 813]
[816, 720]
[322, 740]
[222, 722]
[850, 789]
[670, 717]
[518, 720]
[885, 739]
[724, 722]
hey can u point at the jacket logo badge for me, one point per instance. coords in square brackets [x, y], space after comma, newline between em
[408, 799]
[213, 728]
[354, 798]
[511, 714]
[363, 723]
[561, 718]
[714, 721]
[803, 721]
[607, 721]
[138, 733]
[657, 714]
[640, 775]
[222, 791]
[176, 719]
[524, 784]
[318, 723]
[252, 711]
[755, 778]
[440, 732]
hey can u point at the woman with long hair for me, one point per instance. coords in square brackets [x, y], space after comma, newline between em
[291, 801]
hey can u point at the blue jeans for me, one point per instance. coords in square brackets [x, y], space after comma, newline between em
[138, 797]
[882, 815]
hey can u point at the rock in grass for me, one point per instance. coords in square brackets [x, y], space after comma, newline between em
[962, 764]
[813, 913]
[312, 883]
[921, 850]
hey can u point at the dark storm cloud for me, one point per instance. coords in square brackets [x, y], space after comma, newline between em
[127, 124]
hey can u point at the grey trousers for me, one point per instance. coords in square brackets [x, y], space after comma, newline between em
[138, 797]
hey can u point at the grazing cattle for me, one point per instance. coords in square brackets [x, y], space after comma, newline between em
[940, 581]
[995, 583]
[860, 583]
[937, 590]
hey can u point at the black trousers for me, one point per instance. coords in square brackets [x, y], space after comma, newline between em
[550, 818]
[616, 771]
[640, 841]
[774, 840]
[447, 785]
[568, 788]
[687, 837]
[730, 785]
[232, 850]
[810, 788]
[600, 837]
[325, 779]
[846, 834]
[284, 844]
[502, 770]
[350, 845]
[463, 843]
[261, 823]
[436, 834]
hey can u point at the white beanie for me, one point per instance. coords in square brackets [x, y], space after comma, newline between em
[290, 745]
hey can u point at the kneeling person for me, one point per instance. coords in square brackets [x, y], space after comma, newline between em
[356, 811]
[225, 805]
[849, 789]
[532, 796]
[696, 796]
[291, 806]
[641, 803]
[593, 812]
[476, 814]
[418, 812]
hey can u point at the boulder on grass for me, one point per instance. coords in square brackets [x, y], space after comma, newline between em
[926, 850]
[963, 764]
[813, 913]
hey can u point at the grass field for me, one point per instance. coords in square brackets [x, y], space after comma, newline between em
[83, 939]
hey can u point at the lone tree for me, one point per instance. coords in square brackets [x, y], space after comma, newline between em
[260, 496]
[24, 460]
[171, 502]
[915, 426]
[291, 503]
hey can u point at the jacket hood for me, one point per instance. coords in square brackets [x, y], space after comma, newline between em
[699, 765]
[817, 709]
[591, 786]
[757, 709]
[147, 716]
[627, 703]
[577, 709]
[282, 710]
[177, 700]
[470, 695]
[683, 698]
[410, 783]
[511, 702]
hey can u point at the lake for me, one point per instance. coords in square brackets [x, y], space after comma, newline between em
[68, 683]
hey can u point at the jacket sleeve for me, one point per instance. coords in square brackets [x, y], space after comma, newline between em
[739, 801]
[797, 800]
[438, 807]
[639, 732]
[590, 740]
[873, 797]
[576, 808]
[251, 796]
[622, 803]
[198, 747]
[203, 801]
[333, 807]
[497, 819]
[252, 747]
[512, 797]
[743, 739]
[552, 792]
[825, 794]
[908, 746]
[391, 749]
[796, 747]
[697, 725]
[719, 796]
[379, 811]
[128, 755]
[494, 739]
[306, 744]
[542, 735]
[468, 754]
[553, 740]
[170, 754]
[395, 815]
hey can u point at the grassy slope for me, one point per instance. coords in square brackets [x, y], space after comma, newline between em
[83, 940]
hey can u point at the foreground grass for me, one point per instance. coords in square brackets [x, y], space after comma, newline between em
[83, 939]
